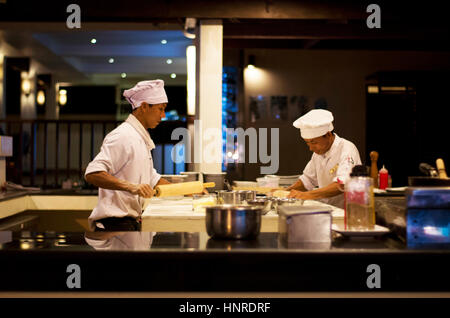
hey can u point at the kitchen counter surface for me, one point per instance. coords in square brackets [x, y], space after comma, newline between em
[6, 195]
[191, 261]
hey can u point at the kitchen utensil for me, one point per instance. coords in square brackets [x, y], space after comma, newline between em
[175, 178]
[217, 178]
[227, 197]
[376, 231]
[183, 188]
[228, 185]
[233, 221]
[245, 195]
[191, 175]
[301, 224]
[374, 168]
[235, 197]
[279, 202]
[428, 170]
[264, 203]
[441, 168]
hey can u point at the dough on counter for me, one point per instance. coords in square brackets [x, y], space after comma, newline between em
[280, 193]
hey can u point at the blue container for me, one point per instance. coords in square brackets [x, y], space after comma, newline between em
[428, 217]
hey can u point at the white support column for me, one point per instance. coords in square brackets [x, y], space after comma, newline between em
[208, 134]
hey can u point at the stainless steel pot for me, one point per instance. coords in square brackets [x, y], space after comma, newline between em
[233, 221]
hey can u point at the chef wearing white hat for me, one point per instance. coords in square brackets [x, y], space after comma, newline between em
[123, 169]
[331, 163]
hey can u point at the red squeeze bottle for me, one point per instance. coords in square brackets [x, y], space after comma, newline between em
[383, 176]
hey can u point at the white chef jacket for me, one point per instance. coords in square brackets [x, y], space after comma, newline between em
[125, 154]
[136, 241]
[333, 166]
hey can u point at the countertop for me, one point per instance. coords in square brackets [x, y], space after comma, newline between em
[181, 261]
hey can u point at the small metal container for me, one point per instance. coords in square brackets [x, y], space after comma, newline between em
[305, 224]
[227, 197]
[264, 203]
[246, 195]
[279, 202]
[233, 222]
[235, 197]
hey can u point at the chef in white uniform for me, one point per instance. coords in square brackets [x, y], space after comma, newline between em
[132, 241]
[331, 163]
[123, 169]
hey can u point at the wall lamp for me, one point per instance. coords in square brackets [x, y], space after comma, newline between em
[40, 97]
[26, 86]
[251, 62]
[62, 98]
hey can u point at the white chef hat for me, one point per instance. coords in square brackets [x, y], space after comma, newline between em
[315, 123]
[151, 92]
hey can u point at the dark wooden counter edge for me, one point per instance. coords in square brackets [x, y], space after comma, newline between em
[244, 271]
[17, 194]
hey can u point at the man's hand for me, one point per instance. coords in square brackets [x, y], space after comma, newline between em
[143, 190]
[299, 195]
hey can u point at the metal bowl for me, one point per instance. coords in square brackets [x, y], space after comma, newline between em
[236, 222]
[235, 197]
[264, 203]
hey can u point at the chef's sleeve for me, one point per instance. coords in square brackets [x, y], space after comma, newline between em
[348, 160]
[113, 155]
[154, 178]
[309, 176]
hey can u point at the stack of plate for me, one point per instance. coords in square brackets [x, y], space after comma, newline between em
[286, 181]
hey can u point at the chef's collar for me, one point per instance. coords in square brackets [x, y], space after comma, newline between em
[333, 147]
[133, 121]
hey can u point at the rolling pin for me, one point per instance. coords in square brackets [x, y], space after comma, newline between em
[441, 168]
[174, 189]
[374, 168]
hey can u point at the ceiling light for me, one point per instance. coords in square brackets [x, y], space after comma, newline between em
[169, 61]
[173, 75]
[93, 41]
[123, 75]
[111, 60]
[163, 41]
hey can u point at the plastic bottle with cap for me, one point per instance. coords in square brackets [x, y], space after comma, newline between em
[383, 176]
[359, 200]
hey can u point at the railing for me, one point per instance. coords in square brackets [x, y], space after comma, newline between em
[47, 152]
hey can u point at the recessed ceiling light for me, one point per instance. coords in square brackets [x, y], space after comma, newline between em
[93, 41]
[169, 61]
[111, 60]
[123, 75]
[163, 41]
[173, 75]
